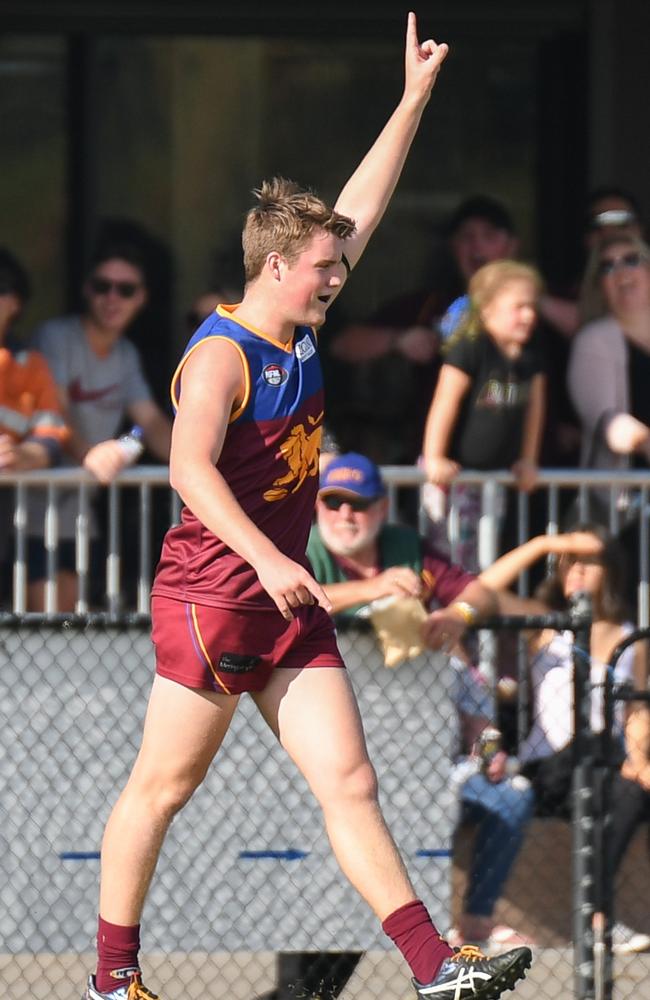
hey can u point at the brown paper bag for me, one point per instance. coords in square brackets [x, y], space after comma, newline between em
[397, 622]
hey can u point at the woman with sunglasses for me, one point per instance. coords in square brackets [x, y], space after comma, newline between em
[587, 560]
[609, 367]
[101, 387]
[609, 375]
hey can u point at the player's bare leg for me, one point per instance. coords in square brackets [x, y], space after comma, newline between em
[183, 730]
[314, 714]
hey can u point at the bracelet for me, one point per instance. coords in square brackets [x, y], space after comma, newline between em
[466, 611]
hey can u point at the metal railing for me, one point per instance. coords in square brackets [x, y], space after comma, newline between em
[633, 487]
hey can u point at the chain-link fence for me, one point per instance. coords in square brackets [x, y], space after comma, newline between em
[247, 900]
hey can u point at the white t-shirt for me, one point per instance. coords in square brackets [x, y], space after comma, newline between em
[100, 391]
[552, 695]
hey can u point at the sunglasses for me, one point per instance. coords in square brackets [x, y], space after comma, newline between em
[629, 261]
[358, 504]
[125, 289]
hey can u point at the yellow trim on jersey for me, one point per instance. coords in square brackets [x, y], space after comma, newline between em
[197, 632]
[247, 375]
[228, 312]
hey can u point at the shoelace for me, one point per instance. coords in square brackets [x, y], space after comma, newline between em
[468, 952]
[137, 991]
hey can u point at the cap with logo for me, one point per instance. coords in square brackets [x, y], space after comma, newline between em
[353, 474]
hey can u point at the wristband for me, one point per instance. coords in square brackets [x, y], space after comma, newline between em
[466, 612]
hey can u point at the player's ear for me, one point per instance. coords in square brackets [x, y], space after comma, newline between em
[276, 264]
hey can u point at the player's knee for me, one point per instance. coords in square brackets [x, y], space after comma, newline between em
[167, 796]
[354, 784]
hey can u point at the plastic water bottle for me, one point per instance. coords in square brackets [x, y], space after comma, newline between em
[132, 444]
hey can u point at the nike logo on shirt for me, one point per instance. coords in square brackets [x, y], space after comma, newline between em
[78, 394]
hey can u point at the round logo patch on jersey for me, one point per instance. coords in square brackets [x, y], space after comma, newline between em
[274, 374]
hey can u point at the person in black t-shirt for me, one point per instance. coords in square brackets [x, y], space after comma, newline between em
[487, 411]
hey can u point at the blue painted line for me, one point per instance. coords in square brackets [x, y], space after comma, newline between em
[79, 856]
[441, 852]
[290, 855]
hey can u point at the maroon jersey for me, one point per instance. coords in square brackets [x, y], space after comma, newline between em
[269, 460]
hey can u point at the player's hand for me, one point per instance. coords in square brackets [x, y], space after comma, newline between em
[290, 585]
[422, 62]
[400, 581]
[441, 471]
[105, 460]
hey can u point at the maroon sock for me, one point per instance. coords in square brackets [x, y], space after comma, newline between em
[418, 940]
[117, 950]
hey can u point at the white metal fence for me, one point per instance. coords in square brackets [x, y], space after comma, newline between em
[141, 500]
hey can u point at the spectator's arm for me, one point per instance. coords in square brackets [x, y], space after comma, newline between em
[25, 455]
[562, 314]
[156, 427]
[446, 626]
[525, 470]
[505, 570]
[359, 342]
[365, 342]
[451, 387]
[398, 581]
[636, 766]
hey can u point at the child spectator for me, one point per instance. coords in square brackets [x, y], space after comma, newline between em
[487, 411]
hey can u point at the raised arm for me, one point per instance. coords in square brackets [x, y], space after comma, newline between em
[504, 571]
[368, 191]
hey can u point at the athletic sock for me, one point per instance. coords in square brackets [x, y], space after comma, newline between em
[420, 943]
[117, 950]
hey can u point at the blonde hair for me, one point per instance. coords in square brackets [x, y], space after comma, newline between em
[484, 286]
[284, 220]
[592, 302]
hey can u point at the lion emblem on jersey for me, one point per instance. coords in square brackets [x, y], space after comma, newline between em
[300, 451]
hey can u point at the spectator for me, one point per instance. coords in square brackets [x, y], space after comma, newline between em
[101, 384]
[611, 211]
[487, 411]
[32, 428]
[609, 369]
[589, 561]
[360, 558]
[383, 372]
[207, 302]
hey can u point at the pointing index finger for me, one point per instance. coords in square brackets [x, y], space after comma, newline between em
[412, 31]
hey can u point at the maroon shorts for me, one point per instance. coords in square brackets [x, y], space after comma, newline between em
[233, 651]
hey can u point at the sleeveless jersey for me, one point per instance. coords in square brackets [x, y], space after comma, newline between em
[269, 460]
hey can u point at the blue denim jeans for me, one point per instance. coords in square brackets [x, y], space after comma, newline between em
[501, 812]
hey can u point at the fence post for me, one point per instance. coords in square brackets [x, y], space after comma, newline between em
[583, 804]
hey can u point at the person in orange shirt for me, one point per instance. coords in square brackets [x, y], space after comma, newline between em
[32, 427]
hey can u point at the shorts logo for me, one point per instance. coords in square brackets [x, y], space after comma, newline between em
[304, 349]
[274, 375]
[236, 663]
